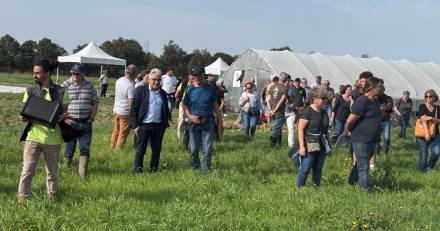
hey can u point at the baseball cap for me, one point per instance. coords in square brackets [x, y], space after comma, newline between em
[198, 71]
[77, 69]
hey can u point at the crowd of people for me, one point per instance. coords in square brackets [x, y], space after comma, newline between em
[144, 102]
[361, 114]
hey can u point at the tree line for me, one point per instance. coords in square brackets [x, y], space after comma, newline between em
[16, 57]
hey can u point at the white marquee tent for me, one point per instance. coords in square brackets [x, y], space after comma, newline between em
[398, 75]
[91, 54]
[217, 68]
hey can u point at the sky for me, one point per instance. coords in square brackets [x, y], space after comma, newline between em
[391, 29]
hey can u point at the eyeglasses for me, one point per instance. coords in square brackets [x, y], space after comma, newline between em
[154, 79]
[429, 96]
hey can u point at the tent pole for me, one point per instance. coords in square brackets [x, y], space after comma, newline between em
[100, 73]
[57, 76]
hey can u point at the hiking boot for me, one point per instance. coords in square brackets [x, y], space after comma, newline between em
[52, 198]
[21, 200]
[68, 162]
[83, 165]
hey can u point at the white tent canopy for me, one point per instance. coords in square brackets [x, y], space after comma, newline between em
[92, 54]
[398, 75]
[217, 68]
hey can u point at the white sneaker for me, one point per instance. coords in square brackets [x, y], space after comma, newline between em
[225, 115]
[372, 167]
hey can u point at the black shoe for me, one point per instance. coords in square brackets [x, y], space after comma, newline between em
[138, 170]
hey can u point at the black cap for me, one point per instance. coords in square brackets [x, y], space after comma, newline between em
[77, 69]
[198, 71]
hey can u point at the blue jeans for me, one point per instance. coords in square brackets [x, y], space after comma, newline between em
[328, 109]
[363, 154]
[403, 122]
[277, 128]
[423, 152]
[385, 128]
[202, 134]
[85, 138]
[338, 129]
[249, 122]
[311, 161]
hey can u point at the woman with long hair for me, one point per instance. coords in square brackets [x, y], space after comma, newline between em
[250, 110]
[429, 114]
[341, 111]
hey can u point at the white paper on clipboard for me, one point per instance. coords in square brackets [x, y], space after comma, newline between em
[236, 82]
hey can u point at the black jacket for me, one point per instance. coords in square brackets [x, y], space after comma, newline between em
[141, 101]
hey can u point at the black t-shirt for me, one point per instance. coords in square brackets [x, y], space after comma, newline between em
[299, 94]
[367, 127]
[318, 120]
[404, 107]
[341, 108]
[423, 110]
[220, 94]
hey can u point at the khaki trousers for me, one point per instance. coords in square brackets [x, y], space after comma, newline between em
[121, 130]
[31, 153]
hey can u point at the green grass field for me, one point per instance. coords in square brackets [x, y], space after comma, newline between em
[251, 187]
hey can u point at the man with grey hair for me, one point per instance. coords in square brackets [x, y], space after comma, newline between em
[124, 90]
[276, 102]
[150, 117]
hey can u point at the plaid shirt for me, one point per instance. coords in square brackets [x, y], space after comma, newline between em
[82, 97]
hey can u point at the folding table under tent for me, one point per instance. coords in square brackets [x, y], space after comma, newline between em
[217, 68]
[91, 54]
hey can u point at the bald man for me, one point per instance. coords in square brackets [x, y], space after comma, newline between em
[124, 92]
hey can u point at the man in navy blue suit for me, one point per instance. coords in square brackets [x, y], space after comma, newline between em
[150, 117]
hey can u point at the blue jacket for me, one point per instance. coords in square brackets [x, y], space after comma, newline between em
[140, 106]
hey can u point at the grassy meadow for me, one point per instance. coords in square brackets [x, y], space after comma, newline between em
[250, 187]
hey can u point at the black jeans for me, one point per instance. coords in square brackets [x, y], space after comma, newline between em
[152, 133]
[103, 90]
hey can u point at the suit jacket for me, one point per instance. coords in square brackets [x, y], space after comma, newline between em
[141, 102]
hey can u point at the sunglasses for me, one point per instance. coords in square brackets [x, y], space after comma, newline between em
[249, 88]
[429, 96]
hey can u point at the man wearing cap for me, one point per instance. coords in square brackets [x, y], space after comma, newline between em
[124, 91]
[276, 102]
[403, 109]
[199, 104]
[81, 114]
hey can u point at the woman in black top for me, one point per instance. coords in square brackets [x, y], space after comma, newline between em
[429, 113]
[341, 111]
[363, 127]
[312, 132]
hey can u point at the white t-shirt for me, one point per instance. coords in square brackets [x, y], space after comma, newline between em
[124, 90]
[168, 83]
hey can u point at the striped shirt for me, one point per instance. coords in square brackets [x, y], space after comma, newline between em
[82, 97]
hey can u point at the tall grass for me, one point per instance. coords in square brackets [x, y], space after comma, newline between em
[251, 187]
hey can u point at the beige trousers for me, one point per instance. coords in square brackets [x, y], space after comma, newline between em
[31, 153]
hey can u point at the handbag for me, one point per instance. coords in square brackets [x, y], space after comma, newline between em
[313, 142]
[419, 130]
